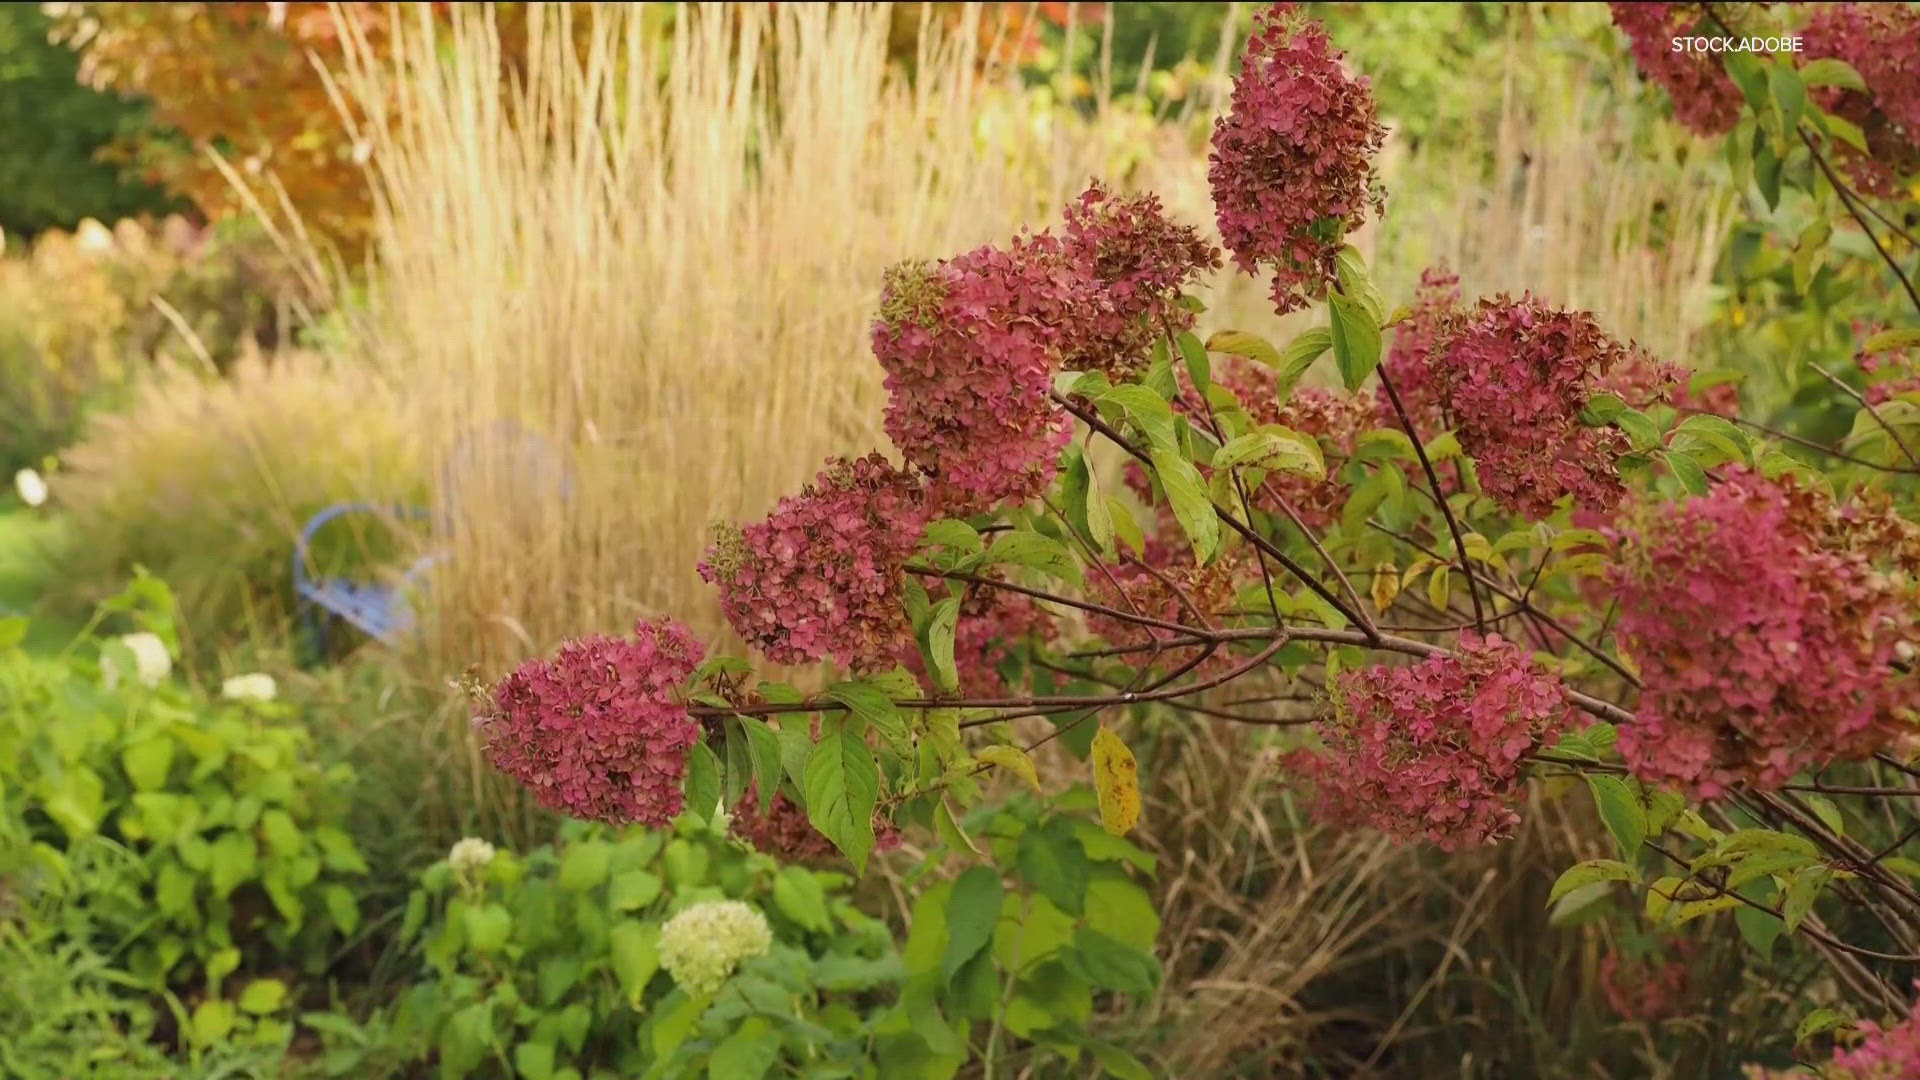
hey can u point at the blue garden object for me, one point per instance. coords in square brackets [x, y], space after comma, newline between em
[377, 610]
[501, 451]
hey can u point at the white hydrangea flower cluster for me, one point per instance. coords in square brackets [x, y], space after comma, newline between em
[470, 856]
[703, 945]
[152, 662]
[258, 686]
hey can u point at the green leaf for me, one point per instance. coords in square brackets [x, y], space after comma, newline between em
[634, 949]
[940, 631]
[281, 834]
[703, 780]
[147, 762]
[1819, 1022]
[1831, 71]
[1581, 874]
[1356, 339]
[1888, 340]
[1689, 473]
[800, 896]
[1024, 547]
[1086, 384]
[1620, 807]
[534, 1060]
[763, 745]
[949, 830]
[1052, 859]
[234, 860]
[1640, 431]
[1300, 355]
[1802, 890]
[746, 1054]
[956, 534]
[262, 996]
[584, 866]
[1195, 354]
[1117, 1062]
[632, 890]
[1146, 410]
[1717, 432]
[1274, 450]
[872, 705]
[1086, 509]
[13, 631]
[971, 915]
[842, 785]
[1789, 96]
[1114, 965]
[212, 1021]
[1250, 346]
[1188, 494]
[488, 928]
[1601, 409]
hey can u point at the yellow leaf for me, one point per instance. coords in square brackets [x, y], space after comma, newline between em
[1116, 783]
[1437, 592]
[1386, 586]
[1014, 760]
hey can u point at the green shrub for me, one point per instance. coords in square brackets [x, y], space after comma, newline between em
[197, 839]
[551, 966]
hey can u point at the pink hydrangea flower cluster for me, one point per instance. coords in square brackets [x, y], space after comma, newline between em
[1880, 1053]
[1705, 98]
[970, 347]
[1882, 43]
[1292, 164]
[597, 730]
[822, 575]
[1156, 594]
[1650, 989]
[1435, 751]
[784, 832]
[1515, 377]
[1410, 357]
[1890, 373]
[995, 624]
[1764, 633]
[1140, 262]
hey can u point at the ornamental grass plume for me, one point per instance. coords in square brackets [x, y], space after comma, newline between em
[970, 347]
[1514, 376]
[1704, 97]
[704, 945]
[1140, 263]
[1882, 43]
[1292, 167]
[1435, 751]
[1764, 620]
[599, 730]
[822, 575]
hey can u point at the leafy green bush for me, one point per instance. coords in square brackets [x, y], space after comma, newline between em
[197, 838]
[554, 966]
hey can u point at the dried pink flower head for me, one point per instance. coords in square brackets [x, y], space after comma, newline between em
[1651, 988]
[784, 832]
[1889, 373]
[1704, 98]
[1166, 584]
[597, 730]
[1882, 43]
[822, 575]
[1140, 262]
[1415, 347]
[1292, 164]
[1514, 377]
[1435, 751]
[970, 347]
[1764, 633]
